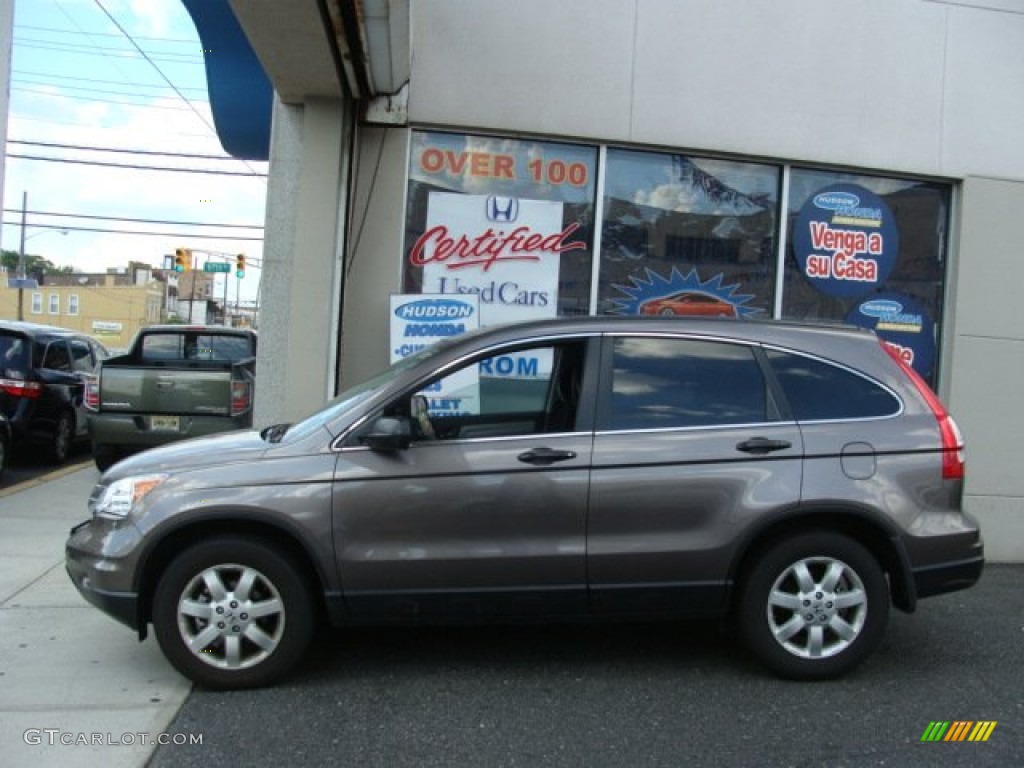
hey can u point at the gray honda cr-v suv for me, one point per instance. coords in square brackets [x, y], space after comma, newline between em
[796, 479]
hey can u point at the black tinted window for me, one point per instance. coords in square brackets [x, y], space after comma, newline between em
[818, 390]
[659, 383]
[81, 355]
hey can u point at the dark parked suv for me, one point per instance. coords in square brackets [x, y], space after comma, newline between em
[42, 382]
[797, 479]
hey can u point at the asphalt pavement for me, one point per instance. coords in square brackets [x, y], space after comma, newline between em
[77, 689]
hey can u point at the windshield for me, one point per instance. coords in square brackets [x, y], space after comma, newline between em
[353, 396]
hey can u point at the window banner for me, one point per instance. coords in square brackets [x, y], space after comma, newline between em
[846, 241]
[419, 320]
[503, 249]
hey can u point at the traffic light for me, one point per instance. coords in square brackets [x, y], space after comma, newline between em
[240, 265]
[182, 260]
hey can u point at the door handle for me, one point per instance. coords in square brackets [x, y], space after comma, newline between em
[762, 445]
[543, 456]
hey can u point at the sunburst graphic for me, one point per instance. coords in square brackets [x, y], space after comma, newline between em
[680, 294]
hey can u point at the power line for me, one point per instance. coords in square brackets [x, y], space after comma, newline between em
[104, 101]
[56, 76]
[160, 71]
[53, 145]
[124, 218]
[83, 89]
[180, 235]
[102, 34]
[99, 50]
[134, 167]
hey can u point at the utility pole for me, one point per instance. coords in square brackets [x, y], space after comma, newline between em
[21, 259]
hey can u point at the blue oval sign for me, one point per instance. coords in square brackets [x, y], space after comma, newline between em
[836, 201]
[846, 241]
[431, 310]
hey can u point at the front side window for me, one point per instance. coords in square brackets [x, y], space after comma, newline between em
[57, 357]
[660, 383]
[81, 356]
[819, 391]
[526, 391]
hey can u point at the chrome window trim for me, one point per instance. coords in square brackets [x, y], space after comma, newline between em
[474, 440]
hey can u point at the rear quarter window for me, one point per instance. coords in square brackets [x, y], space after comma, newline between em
[820, 391]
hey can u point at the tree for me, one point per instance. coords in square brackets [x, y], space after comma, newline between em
[9, 260]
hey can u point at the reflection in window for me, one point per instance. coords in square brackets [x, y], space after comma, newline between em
[818, 391]
[677, 223]
[666, 383]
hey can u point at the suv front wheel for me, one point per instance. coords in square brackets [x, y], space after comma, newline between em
[814, 606]
[233, 612]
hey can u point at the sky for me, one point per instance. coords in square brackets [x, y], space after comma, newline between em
[78, 81]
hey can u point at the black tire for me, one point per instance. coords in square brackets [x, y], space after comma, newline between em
[828, 612]
[63, 434]
[105, 456]
[234, 648]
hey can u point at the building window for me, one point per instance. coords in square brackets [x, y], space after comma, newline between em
[513, 221]
[73, 304]
[687, 235]
[54, 303]
[37, 303]
[869, 251]
[510, 220]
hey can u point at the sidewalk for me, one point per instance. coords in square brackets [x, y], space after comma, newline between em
[76, 687]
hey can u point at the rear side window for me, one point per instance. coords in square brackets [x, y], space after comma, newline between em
[660, 383]
[14, 356]
[819, 391]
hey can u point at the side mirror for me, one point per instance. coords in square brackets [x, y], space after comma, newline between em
[388, 435]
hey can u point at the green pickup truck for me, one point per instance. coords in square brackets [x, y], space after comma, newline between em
[176, 382]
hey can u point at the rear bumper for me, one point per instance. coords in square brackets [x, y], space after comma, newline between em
[941, 578]
[132, 430]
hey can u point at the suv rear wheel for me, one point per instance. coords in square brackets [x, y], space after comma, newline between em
[814, 606]
[233, 612]
[60, 443]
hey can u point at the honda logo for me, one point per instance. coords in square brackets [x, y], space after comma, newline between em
[502, 209]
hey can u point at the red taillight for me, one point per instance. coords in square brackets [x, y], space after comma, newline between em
[20, 388]
[953, 464]
[91, 398]
[241, 397]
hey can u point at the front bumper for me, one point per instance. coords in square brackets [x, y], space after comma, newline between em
[102, 580]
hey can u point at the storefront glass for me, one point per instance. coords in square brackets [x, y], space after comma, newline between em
[506, 219]
[686, 235]
[512, 222]
[870, 251]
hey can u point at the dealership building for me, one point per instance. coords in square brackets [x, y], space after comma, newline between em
[807, 161]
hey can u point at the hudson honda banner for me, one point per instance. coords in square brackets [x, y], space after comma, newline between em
[505, 250]
[846, 241]
[419, 320]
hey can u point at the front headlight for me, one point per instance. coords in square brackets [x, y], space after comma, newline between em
[119, 498]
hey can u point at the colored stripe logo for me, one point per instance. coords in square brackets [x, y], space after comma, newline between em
[958, 730]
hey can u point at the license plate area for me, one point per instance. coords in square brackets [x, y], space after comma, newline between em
[164, 423]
